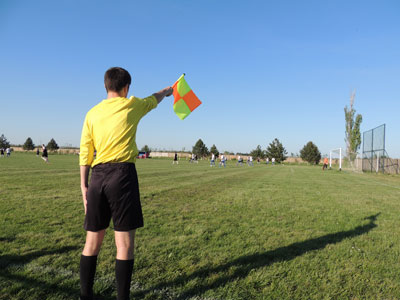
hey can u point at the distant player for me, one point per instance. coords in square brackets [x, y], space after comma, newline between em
[267, 160]
[273, 160]
[325, 166]
[175, 159]
[239, 161]
[45, 156]
[37, 152]
[250, 161]
[212, 163]
[2, 152]
[8, 152]
[223, 161]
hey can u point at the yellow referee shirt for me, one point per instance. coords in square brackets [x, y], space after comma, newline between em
[110, 129]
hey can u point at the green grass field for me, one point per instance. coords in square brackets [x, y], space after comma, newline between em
[262, 232]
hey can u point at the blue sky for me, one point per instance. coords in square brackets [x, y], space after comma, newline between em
[263, 69]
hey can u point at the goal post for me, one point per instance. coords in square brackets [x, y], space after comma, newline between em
[335, 154]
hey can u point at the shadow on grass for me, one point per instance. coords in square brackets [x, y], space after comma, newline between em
[7, 239]
[17, 262]
[245, 264]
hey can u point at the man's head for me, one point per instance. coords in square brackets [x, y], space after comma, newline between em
[116, 79]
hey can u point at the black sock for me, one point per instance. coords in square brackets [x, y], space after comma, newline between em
[123, 275]
[87, 271]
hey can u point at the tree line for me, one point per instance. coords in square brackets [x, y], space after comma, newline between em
[274, 150]
[309, 153]
[28, 145]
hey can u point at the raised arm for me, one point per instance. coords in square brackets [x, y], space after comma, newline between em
[163, 93]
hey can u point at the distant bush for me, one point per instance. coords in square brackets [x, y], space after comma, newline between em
[257, 153]
[200, 149]
[3, 142]
[52, 145]
[277, 151]
[214, 150]
[28, 144]
[310, 153]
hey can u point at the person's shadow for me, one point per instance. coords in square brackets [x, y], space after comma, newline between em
[16, 261]
[245, 264]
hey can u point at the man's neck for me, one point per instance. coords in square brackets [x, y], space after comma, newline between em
[112, 94]
[122, 93]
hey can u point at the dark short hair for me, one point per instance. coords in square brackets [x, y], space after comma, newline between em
[115, 79]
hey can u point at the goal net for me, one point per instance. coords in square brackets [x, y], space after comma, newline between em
[335, 159]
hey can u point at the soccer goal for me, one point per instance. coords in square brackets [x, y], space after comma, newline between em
[335, 157]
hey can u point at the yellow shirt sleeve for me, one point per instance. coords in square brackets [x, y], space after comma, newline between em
[147, 103]
[86, 152]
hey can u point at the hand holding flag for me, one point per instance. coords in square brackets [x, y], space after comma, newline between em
[166, 92]
[185, 101]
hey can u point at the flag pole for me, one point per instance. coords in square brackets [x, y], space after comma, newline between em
[183, 75]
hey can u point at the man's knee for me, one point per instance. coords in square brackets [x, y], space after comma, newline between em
[91, 249]
[93, 242]
[125, 242]
[126, 249]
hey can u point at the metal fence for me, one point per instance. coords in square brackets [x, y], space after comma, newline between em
[375, 158]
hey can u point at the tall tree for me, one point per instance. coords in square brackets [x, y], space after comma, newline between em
[214, 150]
[52, 145]
[310, 153]
[353, 134]
[3, 142]
[257, 153]
[200, 149]
[276, 150]
[28, 144]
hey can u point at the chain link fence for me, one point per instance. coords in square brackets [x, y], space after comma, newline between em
[374, 157]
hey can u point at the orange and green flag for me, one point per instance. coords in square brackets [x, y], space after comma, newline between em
[185, 101]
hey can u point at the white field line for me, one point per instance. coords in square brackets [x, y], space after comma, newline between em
[380, 183]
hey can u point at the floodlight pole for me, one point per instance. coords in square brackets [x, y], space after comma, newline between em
[340, 159]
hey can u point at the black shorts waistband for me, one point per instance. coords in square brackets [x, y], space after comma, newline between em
[118, 165]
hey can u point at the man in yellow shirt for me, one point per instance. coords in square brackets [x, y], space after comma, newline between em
[110, 130]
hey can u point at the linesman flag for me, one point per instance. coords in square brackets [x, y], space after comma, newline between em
[185, 101]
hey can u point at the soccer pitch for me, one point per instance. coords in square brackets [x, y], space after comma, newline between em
[262, 232]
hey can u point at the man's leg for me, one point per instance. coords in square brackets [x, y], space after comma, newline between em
[89, 261]
[125, 241]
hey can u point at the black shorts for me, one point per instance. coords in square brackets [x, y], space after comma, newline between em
[113, 192]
